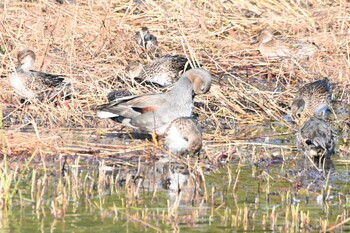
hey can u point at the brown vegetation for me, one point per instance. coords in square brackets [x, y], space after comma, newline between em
[90, 42]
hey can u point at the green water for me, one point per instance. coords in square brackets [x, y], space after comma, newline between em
[257, 185]
[235, 197]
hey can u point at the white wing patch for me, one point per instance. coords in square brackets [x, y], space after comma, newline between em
[105, 114]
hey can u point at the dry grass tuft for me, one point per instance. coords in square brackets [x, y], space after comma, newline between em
[90, 43]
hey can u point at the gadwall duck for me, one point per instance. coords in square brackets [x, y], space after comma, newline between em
[145, 39]
[163, 71]
[316, 139]
[312, 98]
[36, 85]
[272, 48]
[183, 136]
[154, 112]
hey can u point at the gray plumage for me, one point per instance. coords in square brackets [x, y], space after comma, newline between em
[316, 138]
[145, 39]
[154, 112]
[117, 94]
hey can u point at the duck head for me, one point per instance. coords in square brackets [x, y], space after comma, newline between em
[298, 106]
[201, 80]
[25, 59]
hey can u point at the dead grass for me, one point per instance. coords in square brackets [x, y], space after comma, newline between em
[90, 43]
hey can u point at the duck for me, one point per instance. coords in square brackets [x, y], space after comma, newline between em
[316, 139]
[272, 48]
[145, 39]
[163, 71]
[35, 85]
[154, 112]
[312, 99]
[183, 136]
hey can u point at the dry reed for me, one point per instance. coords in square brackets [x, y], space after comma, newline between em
[90, 43]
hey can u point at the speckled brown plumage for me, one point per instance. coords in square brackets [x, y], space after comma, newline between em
[36, 85]
[183, 136]
[312, 99]
[273, 48]
[164, 71]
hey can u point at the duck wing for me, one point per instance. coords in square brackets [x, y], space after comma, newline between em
[117, 94]
[131, 106]
[50, 80]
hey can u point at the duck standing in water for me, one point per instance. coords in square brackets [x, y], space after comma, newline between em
[36, 85]
[316, 139]
[183, 136]
[312, 99]
[155, 112]
[272, 48]
[162, 71]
